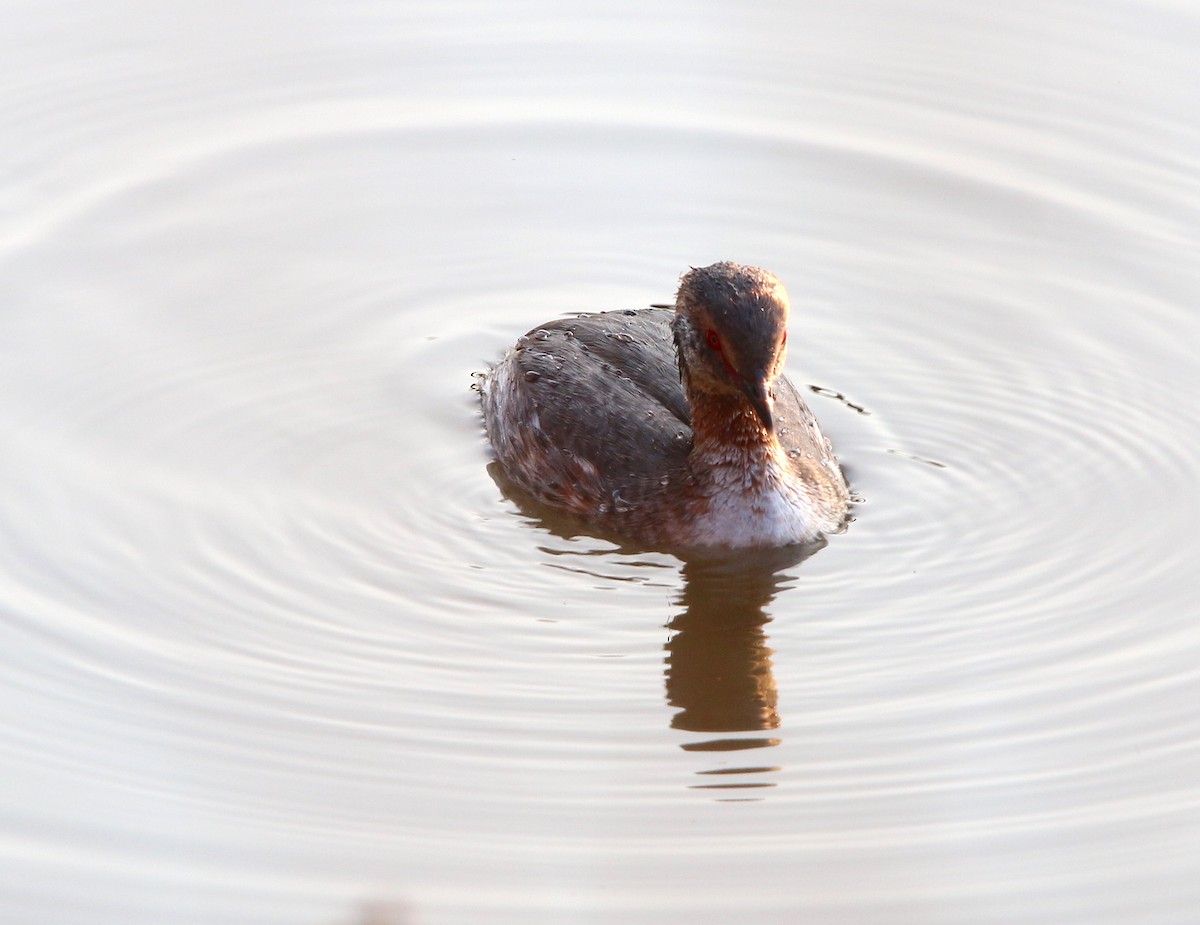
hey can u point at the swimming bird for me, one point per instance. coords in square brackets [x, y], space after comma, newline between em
[672, 428]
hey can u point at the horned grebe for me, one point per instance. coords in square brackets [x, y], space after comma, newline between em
[672, 428]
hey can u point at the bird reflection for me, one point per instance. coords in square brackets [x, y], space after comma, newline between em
[719, 676]
[718, 663]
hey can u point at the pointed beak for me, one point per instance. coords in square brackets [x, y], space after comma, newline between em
[761, 400]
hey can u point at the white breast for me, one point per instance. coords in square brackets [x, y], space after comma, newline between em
[769, 509]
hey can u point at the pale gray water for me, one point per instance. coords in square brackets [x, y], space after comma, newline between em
[276, 650]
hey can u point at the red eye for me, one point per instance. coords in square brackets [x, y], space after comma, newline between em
[713, 340]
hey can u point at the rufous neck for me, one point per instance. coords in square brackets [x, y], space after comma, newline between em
[725, 424]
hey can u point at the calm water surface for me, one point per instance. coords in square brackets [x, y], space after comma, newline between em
[277, 649]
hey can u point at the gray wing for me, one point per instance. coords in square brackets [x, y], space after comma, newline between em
[604, 409]
[810, 450]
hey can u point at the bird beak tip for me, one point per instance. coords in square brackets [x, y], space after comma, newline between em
[763, 404]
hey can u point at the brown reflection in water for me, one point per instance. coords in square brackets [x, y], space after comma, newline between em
[718, 663]
[718, 671]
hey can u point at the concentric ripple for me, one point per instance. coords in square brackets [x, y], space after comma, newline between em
[278, 648]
